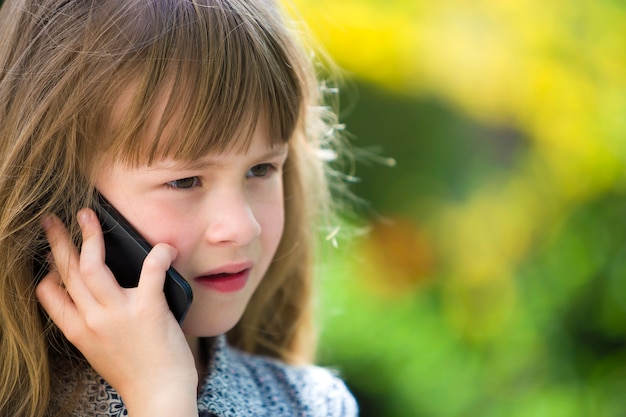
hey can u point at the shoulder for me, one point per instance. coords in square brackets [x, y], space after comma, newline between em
[311, 387]
[256, 385]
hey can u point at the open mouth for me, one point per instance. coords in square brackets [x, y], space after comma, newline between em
[225, 282]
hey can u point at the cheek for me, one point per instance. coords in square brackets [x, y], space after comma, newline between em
[267, 203]
[160, 226]
[272, 222]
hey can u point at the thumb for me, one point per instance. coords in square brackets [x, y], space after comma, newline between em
[158, 261]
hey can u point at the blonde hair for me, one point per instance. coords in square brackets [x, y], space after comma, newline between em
[221, 65]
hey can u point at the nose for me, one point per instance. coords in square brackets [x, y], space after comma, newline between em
[231, 221]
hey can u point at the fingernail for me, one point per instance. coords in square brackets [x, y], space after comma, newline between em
[172, 250]
[46, 222]
[83, 216]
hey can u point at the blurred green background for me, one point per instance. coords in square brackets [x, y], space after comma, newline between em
[491, 281]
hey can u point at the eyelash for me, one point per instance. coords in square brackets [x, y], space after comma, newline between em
[175, 184]
[268, 169]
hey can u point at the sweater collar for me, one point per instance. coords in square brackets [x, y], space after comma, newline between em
[229, 389]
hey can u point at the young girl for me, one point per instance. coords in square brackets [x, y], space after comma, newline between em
[199, 121]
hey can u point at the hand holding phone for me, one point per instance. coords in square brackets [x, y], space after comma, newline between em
[125, 252]
[120, 332]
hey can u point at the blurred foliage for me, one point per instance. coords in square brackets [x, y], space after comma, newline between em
[491, 281]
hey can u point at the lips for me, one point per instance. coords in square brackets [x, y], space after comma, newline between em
[227, 279]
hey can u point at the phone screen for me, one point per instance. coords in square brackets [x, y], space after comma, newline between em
[126, 250]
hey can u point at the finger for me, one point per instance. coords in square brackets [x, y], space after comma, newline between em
[96, 275]
[150, 295]
[56, 301]
[152, 277]
[66, 258]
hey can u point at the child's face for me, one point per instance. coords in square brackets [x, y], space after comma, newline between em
[223, 213]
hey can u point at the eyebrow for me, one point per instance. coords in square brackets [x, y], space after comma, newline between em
[199, 164]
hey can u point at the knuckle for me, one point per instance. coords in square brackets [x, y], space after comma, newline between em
[94, 321]
[142, 309]
[74, 333]
[88, 233]
[88, 268]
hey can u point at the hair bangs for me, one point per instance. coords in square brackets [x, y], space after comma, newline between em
[206, 81]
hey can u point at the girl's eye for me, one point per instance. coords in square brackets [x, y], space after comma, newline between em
[184, 183]
[260, 170]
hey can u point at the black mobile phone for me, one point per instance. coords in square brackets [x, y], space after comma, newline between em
[126, 250]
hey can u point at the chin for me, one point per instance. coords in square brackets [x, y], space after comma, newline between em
[203, 327]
